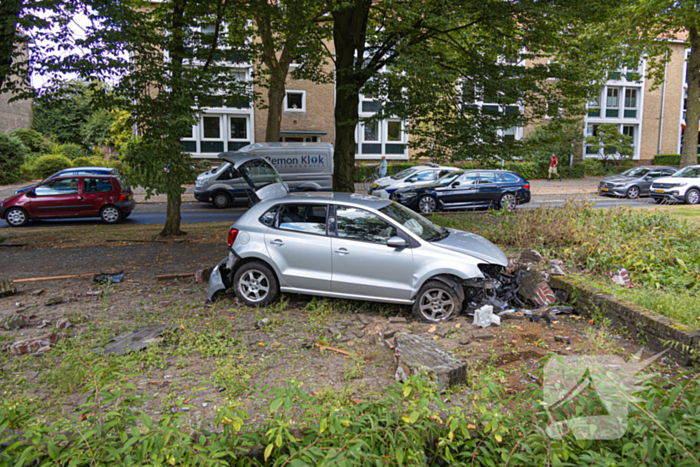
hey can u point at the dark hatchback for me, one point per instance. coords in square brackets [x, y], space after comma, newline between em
[467, 189]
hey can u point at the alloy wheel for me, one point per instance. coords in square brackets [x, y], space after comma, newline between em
[693, 196]
[254, 285]
[427, 204]
[221, 201]
[436, 305]
[110, 214]
[16, 217]
[508, 202]
[633, 192]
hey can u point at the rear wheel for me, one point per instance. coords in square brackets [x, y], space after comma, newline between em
[508, 202]
[427, 204]
[16, 217]
[255, 284]
[221, 200]
[368, 182]
[436, 302]
[111, 214]
[633, 192]
[692, 196]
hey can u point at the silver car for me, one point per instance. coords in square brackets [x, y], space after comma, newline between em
[349, 246]
[634, 182]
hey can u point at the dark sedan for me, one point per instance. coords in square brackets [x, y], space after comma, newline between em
[634, 182]
[467, 189]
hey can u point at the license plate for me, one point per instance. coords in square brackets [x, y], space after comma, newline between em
[374, 186]
[603, 189]
[659, 191]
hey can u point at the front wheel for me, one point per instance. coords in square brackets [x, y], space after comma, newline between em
[435, 302]
[111, 214]
[256, 285]
[633, 192]
[16, 217]
[368, 182]
[508, 202]
[692, 196]
[427, 204]
[221, 200]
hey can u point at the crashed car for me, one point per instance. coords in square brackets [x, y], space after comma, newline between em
[354, 247]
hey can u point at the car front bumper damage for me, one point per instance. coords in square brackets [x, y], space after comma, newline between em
[221, 278]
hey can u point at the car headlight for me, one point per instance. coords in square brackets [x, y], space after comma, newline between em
[379, 187]
[408, 194]
[679, 184]
[198, 182]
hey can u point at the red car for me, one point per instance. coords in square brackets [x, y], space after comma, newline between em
[70, 196]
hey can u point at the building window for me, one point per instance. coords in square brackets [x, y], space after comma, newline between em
[211, 128]
[295, 101]
[630, 130]
[371, 131]
[552, 109]
[509, 134]
[630, 103]
[393, 131]
[594, 106]
[239, 128]
[612, 103]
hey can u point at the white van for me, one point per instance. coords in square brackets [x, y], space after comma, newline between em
[303, 167]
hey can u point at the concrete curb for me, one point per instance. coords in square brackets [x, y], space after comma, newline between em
[657, 332]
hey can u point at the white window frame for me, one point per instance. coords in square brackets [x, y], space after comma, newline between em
[401, 131]
[379, 125]
[201, 128]
[229, 126]
[303, 100]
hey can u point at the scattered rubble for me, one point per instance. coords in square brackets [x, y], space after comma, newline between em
[14, 322]
[37, 292]
[7, 288]
[63, 323]
[202, 275]
[419, 354]
[482, 336]
[621, 277]
[556, 267]
[35, 345]
[113, 278]
[54, 301]
[534, 289]
[529, 256]
[397, 320]
[135, 340]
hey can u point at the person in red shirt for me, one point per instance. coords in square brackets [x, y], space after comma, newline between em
[553, 167]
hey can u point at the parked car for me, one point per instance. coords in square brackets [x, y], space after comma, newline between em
[467, 189]
[76, 171]
[303, 166]
[349, 246]
[634, 182]
[101, 196]
[414, 176]
[683, 186]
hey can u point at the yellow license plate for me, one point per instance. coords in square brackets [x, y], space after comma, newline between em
[659, 191]
[374, 186]
[603, 189]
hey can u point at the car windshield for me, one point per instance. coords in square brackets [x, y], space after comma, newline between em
[688, 172]
[414, 222]
[403, 174]
[635, 172]
[449, 178]
[259, 173]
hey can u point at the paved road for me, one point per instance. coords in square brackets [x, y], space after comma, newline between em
[204, 212]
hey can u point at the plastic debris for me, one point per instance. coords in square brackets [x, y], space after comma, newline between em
[262, 323]
[484, 317]
[113, 278]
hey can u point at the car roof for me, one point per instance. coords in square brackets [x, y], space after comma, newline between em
[87, 168]
[82, 175]
[439, 167]
[357, 199]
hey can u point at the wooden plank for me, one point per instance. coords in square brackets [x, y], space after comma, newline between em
[169, 277]
[321, 346]
[34, 279]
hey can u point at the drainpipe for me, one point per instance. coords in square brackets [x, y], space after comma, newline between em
[661, 112]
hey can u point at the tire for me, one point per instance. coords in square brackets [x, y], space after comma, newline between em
[633, 192]
[507, 202]
[221, 200]
[111, 214]
[16, 217]
[692, 196]
[427, 204]
[435, 302]
[256, 285]
[127, 215]
[368, 182]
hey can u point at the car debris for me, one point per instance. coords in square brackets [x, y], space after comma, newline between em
[113, 278]
[137, 339]
[484, 317]
[621, 276]
[35, 345]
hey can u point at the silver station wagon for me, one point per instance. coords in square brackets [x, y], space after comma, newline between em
[350, 246]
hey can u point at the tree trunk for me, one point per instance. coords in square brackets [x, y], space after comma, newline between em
[689, 153]
[172, 217]
[344, 152]
[9, 12]
[275, 99]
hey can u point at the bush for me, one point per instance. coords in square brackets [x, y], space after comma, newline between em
[71, 151]
[12, 153]
[46, 166]
[89, 162]
[26, 172]
[669, 159]
[34, 141]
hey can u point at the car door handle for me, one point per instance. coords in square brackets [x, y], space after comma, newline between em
[342, 251]
[277, 242]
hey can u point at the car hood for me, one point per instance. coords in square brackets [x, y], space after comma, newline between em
[619, 178]
[675, 180]
[260, 175]
[473, 245]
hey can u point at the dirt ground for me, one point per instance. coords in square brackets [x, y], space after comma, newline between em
[217, 354]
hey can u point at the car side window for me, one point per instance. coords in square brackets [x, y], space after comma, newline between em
[97, 185]
[443, 173]
[307, 218]
[487, 177]
[424, 176]
[358, 224]
[510, 178]
[654, 174]
[268, 218]
[65, 186]
[228, 174]
[467, 179]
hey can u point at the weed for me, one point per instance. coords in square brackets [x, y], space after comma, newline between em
[354, 368]
[600, 342]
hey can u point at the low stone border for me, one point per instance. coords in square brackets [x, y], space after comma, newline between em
[642, 324]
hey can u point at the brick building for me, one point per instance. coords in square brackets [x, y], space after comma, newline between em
[18, 114]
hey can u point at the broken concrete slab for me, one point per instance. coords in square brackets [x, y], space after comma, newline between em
[14, 322]
[7, 288]
[363, 319]
[35, 345]
[137, 339]
[556, 267]
[530, 256]
[465, 341]
[54, 301]
[37, 292]
[482, 336]
[63, 323]
[442, 331]
[417, 354]
[397, 320]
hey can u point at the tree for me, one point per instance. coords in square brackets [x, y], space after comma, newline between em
[558, 136]
[12, 153]
[422, 59]
[63, 111]
[648, 23]
[168, 60]
[288, 31]
[613, 143]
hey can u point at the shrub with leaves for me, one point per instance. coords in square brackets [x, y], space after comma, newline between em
[35, 142]
[12, 153]
[45, 166]
[71, 151]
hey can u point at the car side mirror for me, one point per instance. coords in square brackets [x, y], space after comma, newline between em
[454, 184]
[31, 194]
[396, 242]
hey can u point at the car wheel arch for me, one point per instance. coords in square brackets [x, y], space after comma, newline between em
[254, 259]
[221, 191]
[450, 278]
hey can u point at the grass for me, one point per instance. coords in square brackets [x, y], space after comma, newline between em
[685, 213]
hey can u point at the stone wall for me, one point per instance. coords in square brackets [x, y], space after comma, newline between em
[643, 325]
[14, 115]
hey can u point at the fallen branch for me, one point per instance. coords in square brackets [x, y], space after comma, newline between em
[168, 277]
[321, 346]
[34, 279]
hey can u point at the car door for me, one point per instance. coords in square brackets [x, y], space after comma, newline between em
[489, 189]
[96, 193]
[363, 264]
[461, 192]
[56, 198]
[299, 246]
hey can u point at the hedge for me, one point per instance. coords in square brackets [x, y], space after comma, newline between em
[12, 153]
[46, 166]
[669, 159]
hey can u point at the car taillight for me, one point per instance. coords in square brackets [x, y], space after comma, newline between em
[232, 234]
[123, 197]
[526, 186]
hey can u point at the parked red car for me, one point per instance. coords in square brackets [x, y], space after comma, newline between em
[70, 196]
